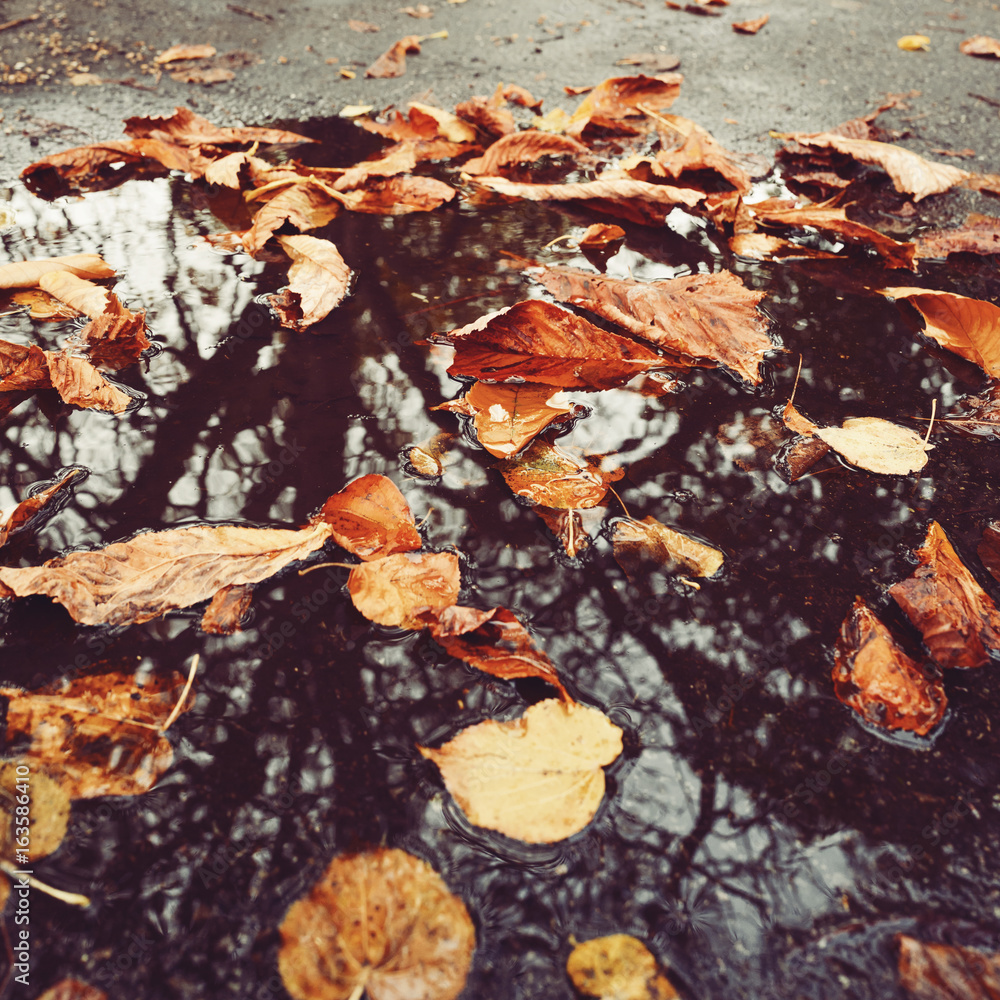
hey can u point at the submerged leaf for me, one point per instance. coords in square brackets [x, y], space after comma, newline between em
[637, 543]
[958, 620]
[40, 505]
[618, 966]
[380, 924]
[980, 234]
[873, 676]
[947, 972]
[391, 591]
[538, 778]
[545, 475]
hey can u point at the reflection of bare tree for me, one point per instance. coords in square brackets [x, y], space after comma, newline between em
[750, 816]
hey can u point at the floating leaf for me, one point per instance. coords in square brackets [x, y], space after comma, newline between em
[538, 778]
[39, 506]
[48, 812]
[877, 445]
[701, 316]
[318, 280]
[371, 518]
[567, 526]
[390, 591]
[760, 246]
[618, 966]
[83, 295]
[600, 234]
[380, 924]
[947, 972]
[97, 735]
[188, 129]
[637, 543]
[305, 204]
[969, 327]
[958, 620]
[26, 273]
[545, 475]
[79, 383]
[537, 341]
[427, 459]
[398, 196]
[873, 676]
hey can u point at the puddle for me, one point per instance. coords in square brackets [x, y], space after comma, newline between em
[760, 840]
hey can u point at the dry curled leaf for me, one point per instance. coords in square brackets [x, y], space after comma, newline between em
[877, 445]
[958, 620]
[391, 591]
[318, 281]
[614, 105]
[177, 52]
[393, 62]
[26, 273]
[600, 234]
[981, 45]
[701, 316]
[79, 383]
[428, 458]
[544, 474]
[380, 924]
[638, 543]
[523, 147]
[752, 26]
[873, 676]
[397, 195]
[371, 519]
[39, 506]
[969, 327]
[188, 129]
[83, 295]
[304, 204]
[980, 235]
[97, 735]
[73, 989]
[618, 966]
[538, 778]
[947, 972]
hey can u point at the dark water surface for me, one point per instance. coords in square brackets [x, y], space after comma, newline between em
[758, 838]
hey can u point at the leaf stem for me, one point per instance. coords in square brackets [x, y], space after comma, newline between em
[73, 898]
[180, 701]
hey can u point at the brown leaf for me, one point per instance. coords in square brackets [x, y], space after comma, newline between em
[393, 62]
[89, 168]
[427, 459]
[978, 415]
[227, 609]
[638, 543]
[38, 506]
[318, 278]
[873, 676]
[958, 620]
[567, 526]
[600, 234]
[947, 972]
[423, 123]
[493, 641]
[760, 246]
[381, 924]
[980, 45]
[203, 74]
[97, 735]
[700, 151]
[523, 147]
[79, 383]
[969, 327]
[400, 159]
[26, 273]
[135, 581]
[537, 341]
[830, 219]
[40, 304]
[877, 445]
[489, 114]
[391, 591]
[82, 295]
[538, 778]
[230, 170]
[176, 52]
[398, 196]
[23, 369]
[371, 519]
[618, 966]
[909, 172]
[304, 205]
[989, 549]
[613, 106]
[543, 474]
[115, 339]
[507, 417]
[188, 129]
[73, 989]
[752, 26]
[48, 811]
[701, 316]
[363, 27]
[514, 94]
[980, 235]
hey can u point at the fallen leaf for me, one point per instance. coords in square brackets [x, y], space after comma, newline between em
[188, 129]
[873, 676]
[947, 972]
[760, 246]
[445, 124]
[877, 445]
[204, 75]
[26, 273]
[227, 610]
[909, 172]
[638, 543]
[84, 296]
[96, 735]
[391, 591]
[711, 317]
[89, 168]
[393, 62]
[39, 505]
[41, 305]
[914, 43]
[752, 26]
[523, 147]
[125, 583]
[618, 966]
[380, 924]
[489, 114]
[699, 151]
[600, 234]
[958, 620]
[176, 52]
[86, 80]
[114, 339]
[613, 105]
[79, 383]
[363, 27]
[969, 327]
[23, 368]
[654, 62]
[981, 45]
[427, 459]
[538, 778]
[543, 474]
[304, 205]
[493, 641]
[979, 235]
[536, 341]
[73, 989]
[977, 415]
[507, 417]
[48, 815]
[567, 526]
[989, 549]
[421, 10]
[398, 196]
[318, 278]
[355, 110]
[401, 159]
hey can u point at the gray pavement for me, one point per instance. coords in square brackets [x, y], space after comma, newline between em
[815, 64]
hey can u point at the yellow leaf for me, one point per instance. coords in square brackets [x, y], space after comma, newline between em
[914, 43]
[618, 966]
[877, 445]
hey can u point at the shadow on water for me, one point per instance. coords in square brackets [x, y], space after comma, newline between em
[763, 842]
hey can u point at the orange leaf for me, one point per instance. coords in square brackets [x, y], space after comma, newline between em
[398, 196]
[26, 273]
[523, 147]
[752, 26]
[981, 45]
[39, 506]
[318, 278]
[391, 591]
[637, 543]
[543, 474]
[188, 129]
[304, 205]
[393, 63]
[980, 234]
[873, 676]
[176, 52]
[613, 105]
[227, 609]
[84, 296]
[958, 620]
[79, 383]
[947, 972]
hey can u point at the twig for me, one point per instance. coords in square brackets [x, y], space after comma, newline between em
[309, 569]
[18, 21]
[930, 426]
[988, 100]
[249, 13]
[180, 701]
[73, 898]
